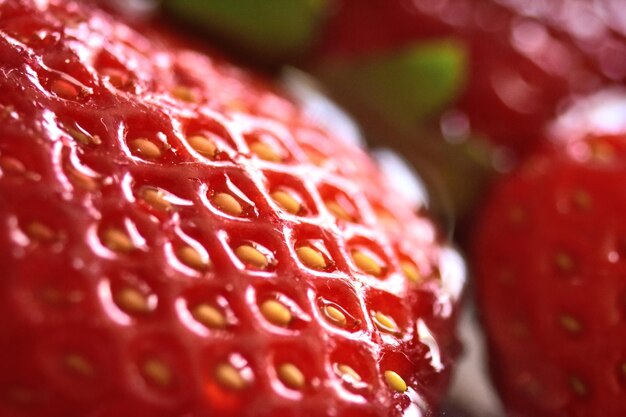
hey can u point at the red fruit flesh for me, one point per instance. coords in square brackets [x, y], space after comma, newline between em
[525, 59]
[149, 266]
[549, 264]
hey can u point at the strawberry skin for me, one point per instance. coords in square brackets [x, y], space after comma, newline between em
[549, 260]
[177, 238]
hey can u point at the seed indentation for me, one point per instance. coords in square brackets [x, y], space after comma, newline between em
[578, 386]
[192, 258]
[78, 364]
[564, 261]
[335, 316]
[132, 301]
[82, 180]
[251, 256]
[338, 210]
[570, 324]
[117, 240]
[184, 93]
[203, 146]
[157, 372]
[276, 313]
[366, 263]
[228, 204]
[286, 201]
[310, 257]
[64, 89]
[209, 316]
[265, 152]
[156, 198]
[39, 231]
[229, 377]
[145, 148]
[291, 376]
[411, 272]
[385, 323]
[395, 381]
[345, 370]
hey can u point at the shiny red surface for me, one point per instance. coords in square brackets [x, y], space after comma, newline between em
[549, 261]
[78, 87]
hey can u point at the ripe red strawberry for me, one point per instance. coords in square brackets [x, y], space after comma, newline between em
[178, 239]
[523, 59]
[549, 254]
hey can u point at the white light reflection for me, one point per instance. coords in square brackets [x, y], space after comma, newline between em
[427, 338]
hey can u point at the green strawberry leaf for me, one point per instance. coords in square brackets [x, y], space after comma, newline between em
[270, 29]
[404, 86]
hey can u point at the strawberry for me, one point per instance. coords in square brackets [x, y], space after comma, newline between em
[178, 238]
[523, 61]
[549, 259]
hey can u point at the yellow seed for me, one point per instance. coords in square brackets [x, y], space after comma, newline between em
[228, 204]
[337, 210]
[52, 296]
[78, 364]
[192, 258]
[39, 231]
[157, 372]
[132, 301]
[347, 370]
[582, 199]
[276, 313]
[184, 93]
[156, 198]
[145, 148]
[311, 257]
[64, 89]
[602, 151]
[385, 216]
[12, 165]
[335, 316]
[564, 262]
[82, 180]
[570, 324]
[203, 146]
[209, 316]
[265, 151]
[251, 256]
[366, 263]
[83, 138]
[229, 377]
[315, 157]
[411, 272]
[385, 323]
[286, 201]
[516, 214]
[117, 240]
[395, 381]
[238, 106]
[578, 386]
[291, 376]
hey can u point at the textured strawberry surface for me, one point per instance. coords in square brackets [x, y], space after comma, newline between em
[177, 239]
[524, 57]
[549, 265]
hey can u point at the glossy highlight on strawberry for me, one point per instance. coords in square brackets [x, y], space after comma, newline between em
[178, 238]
